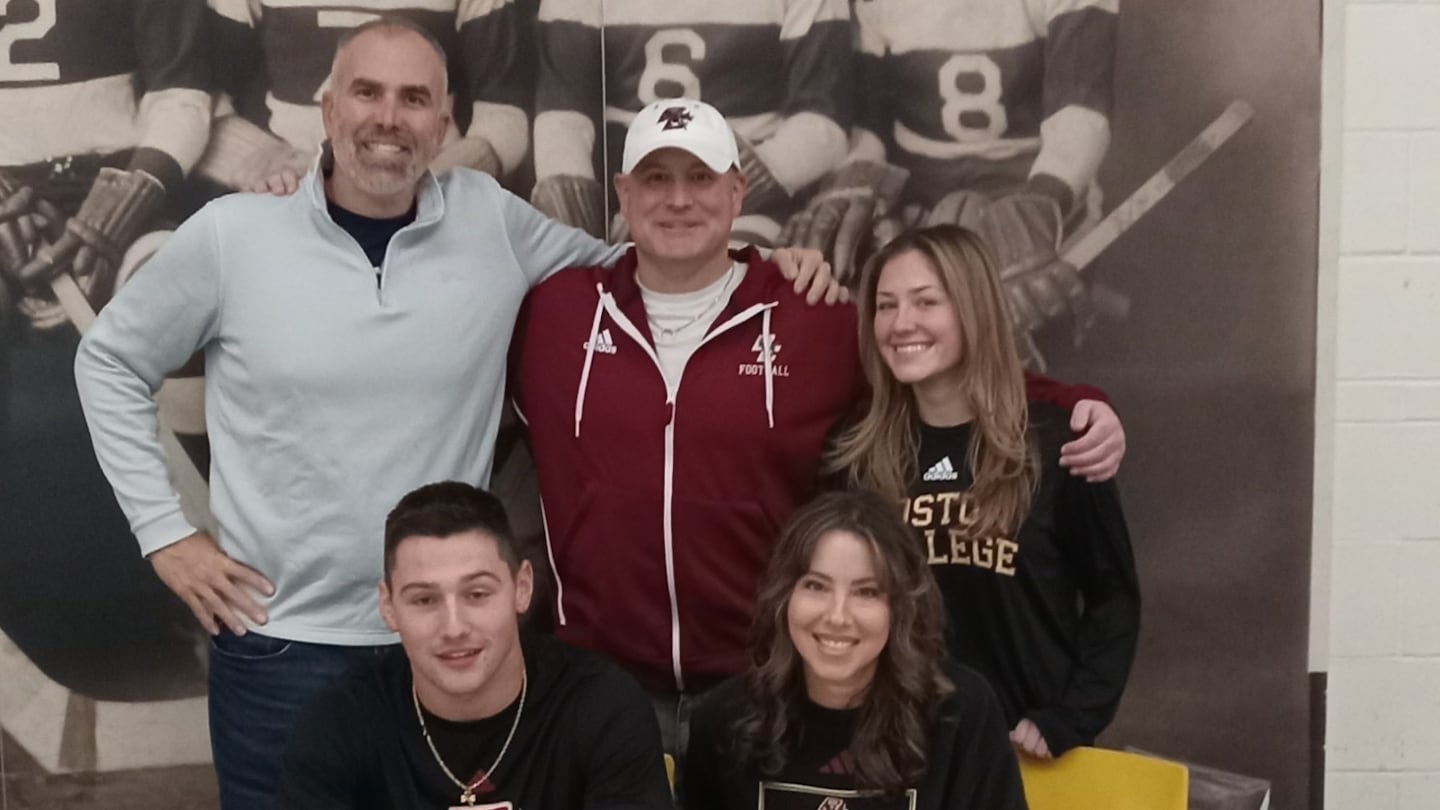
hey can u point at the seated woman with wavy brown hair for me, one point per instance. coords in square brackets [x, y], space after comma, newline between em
[850, 701]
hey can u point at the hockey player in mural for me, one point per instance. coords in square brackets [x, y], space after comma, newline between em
[778, 69]
[994, 115]
[106, 108]
[276, 56]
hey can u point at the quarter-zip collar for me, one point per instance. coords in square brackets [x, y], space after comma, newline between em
[429, 206]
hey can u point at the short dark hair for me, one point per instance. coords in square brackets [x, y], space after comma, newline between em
[394, 22]
[448, 508]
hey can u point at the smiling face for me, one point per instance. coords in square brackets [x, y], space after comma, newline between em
[916, 328]
[386, 114]
[680, 210]
[456, 603]
[839, 619]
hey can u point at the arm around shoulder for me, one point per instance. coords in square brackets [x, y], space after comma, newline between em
[544, 246]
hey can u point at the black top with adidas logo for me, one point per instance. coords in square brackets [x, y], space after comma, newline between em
[1049, 614]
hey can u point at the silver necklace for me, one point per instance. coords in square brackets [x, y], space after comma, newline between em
[667, 334]
[467, 791]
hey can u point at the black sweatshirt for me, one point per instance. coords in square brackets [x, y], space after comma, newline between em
[587, 738]
[1050, 617]
[971, 764]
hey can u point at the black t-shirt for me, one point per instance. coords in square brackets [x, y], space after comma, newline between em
[372, 234]
[587, 738]
[971, 764]
[1050, 616]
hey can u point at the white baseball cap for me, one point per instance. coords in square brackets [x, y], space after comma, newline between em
[681, 123]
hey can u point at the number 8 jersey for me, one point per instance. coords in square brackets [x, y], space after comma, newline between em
[986, 95]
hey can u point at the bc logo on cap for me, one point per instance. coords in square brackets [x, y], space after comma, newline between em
[675, 118]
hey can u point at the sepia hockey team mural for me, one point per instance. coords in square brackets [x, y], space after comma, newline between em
[1156, 165]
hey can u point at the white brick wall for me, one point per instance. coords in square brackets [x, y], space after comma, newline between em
[1378, 405]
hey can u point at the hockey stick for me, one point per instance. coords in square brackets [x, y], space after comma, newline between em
[1084, 248]
[189, 483]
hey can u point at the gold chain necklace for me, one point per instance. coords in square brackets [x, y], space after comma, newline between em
[467, 791]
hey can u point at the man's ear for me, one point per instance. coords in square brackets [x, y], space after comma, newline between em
[387, 607]
[621, 182]
[524, 586]
[327, 111]
[447, 119]
[742, 183]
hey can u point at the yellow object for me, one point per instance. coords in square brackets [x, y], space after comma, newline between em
[1101, 779]
[670, 771]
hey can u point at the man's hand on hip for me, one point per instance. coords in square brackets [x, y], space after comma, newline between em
[211, 584]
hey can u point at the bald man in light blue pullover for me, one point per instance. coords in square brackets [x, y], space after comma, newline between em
[355, 339]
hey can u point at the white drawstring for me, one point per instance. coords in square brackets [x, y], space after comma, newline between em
[766, 341]
[589, 357]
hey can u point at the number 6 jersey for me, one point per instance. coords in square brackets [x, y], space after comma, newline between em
[777, 69]
[987, 94]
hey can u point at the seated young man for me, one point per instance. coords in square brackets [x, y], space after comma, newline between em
[469, 710]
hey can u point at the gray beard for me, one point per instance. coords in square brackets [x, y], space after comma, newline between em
[380, 181]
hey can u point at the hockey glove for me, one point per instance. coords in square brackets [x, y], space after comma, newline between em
[840, 217]
[119, 205]
[18, 235]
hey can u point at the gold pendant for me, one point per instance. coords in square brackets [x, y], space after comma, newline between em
[467, 797]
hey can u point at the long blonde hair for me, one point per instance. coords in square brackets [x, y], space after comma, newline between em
[878, 452]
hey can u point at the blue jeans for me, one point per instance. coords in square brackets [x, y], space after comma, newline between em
[258, 685]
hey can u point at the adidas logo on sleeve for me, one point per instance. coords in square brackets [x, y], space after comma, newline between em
[943, 470]
[603, 343]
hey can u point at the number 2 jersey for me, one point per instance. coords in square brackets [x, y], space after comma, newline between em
[1050, 614]
[102, 77]
[985, 94]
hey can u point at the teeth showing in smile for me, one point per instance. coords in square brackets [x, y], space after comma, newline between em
[911, 348]
[830, 644]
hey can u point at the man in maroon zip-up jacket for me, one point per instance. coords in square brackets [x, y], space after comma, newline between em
[678, 404]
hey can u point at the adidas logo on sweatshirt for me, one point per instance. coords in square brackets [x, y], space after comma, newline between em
[942, 471]
[603, 343]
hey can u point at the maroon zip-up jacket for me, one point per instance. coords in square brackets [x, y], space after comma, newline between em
[660, 514]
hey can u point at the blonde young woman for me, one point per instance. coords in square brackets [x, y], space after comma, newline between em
[1034, 565]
